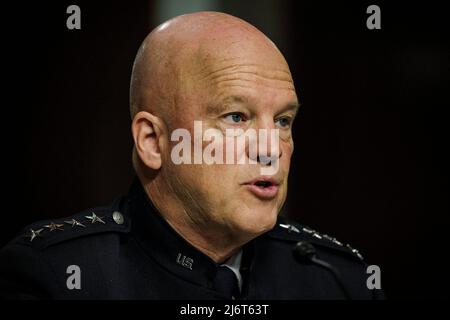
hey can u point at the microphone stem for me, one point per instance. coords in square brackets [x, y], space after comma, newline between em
[335, 273]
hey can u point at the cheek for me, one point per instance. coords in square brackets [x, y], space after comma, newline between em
[287, 149]
[212, 181]
[193, 185]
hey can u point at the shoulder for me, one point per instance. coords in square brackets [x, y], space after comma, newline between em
[291, 232]
[305, 257]
[35, 263]
[87, 224]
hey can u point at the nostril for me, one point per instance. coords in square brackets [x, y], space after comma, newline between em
[264, 160]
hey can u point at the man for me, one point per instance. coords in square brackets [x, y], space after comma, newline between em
[202, 229]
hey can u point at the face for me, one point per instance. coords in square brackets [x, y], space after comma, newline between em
[234, 92]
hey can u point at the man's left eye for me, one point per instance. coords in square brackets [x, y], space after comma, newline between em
[235, 117]
[283, 122]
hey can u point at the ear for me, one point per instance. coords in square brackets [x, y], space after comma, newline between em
[147, 131]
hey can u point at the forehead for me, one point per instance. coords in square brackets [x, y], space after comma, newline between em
[240, 72]
[247, 84]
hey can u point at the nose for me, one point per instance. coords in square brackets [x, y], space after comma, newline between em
[268, 149]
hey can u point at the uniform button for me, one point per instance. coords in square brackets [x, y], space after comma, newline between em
[118, 217]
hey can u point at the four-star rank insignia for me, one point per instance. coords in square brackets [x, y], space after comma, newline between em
[54, 226]
[74, 223]
[94, 218]
[35, 233]
[50, 227]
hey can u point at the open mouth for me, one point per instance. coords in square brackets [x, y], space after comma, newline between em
[264, 189]
[263, 184]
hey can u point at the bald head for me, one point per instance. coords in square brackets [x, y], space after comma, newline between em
[219, 72]
[185, 51]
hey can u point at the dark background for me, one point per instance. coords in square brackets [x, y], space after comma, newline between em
[370, 164]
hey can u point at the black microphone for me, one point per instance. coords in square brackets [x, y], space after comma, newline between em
[305, 252]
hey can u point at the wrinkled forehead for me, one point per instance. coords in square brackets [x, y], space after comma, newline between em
[215, 65]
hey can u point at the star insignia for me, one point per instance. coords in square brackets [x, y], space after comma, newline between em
[34, 234]
[94, 218]
[356, 252]
[308, 230]
[54, 226]
[289, 227]
[74, 223]
[316, 235]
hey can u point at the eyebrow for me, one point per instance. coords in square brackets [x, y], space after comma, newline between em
[229, 100]
[224, 104]
[294, 105]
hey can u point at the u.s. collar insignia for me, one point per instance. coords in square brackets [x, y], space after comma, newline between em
[185, 261]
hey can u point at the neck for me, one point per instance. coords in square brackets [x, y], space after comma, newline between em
[214, 241]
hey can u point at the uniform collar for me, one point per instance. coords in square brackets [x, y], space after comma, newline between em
[164, 245]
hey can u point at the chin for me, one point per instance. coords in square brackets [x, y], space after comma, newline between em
[256, 223]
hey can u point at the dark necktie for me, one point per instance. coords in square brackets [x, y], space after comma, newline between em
[226, 282]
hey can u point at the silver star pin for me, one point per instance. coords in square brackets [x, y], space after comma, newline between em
[356, 252]
[318, 236]
[327, 237]
[308, 230]
[54, 226]
[94, 218]
[289, 227]
[74, 223]
[34, 234]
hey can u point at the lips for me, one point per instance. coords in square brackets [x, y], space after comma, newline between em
[263, 188]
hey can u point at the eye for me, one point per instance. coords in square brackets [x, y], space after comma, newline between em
[284, 122]
[235, 117]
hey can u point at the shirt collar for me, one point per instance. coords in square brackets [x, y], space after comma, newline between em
[234, 263]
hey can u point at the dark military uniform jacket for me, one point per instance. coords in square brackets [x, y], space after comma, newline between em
[128, 251]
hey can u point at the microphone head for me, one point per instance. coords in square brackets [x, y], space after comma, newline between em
[304, 251]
